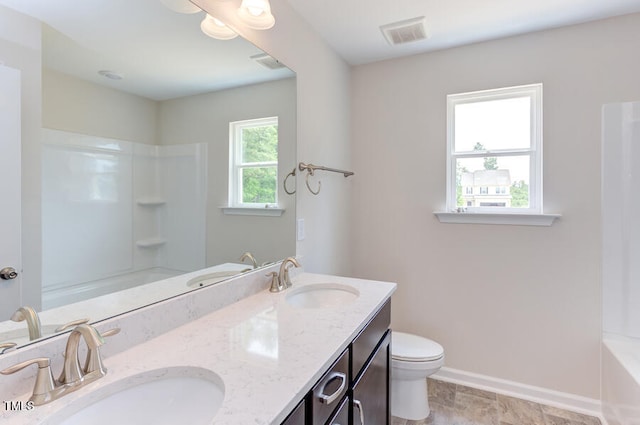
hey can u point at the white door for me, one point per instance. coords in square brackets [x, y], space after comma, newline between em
[10, 247]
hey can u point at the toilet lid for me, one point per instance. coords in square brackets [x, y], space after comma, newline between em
[414, 348]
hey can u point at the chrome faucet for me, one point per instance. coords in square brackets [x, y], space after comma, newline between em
[47, 389]
[281, 281]
[71, 371]
[249, 256]
[33, 321]
[285, 280]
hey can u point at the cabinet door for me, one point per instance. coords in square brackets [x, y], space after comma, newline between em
[341, 417]
[297, 417]
[365, 343]
[371, 401]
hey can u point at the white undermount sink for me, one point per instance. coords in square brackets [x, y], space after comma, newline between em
[319, 295]
[21, 336]
[210, 278]
[176, 395]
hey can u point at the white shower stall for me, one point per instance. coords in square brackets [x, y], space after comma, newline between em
[621, 263]
[117, 214]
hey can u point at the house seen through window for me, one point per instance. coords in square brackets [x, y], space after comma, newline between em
[494, 141]
[253, 171]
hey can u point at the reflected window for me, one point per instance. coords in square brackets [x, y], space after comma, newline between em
[253, 174]
[494, 140]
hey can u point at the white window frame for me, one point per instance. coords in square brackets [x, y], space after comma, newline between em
[236, 166]
[534, 92]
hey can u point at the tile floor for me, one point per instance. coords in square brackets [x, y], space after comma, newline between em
[453, 404]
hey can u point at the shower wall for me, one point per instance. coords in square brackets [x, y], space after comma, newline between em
[620, 383]
[113, 207]
[620, 224]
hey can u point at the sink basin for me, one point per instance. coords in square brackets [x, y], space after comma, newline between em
[319, 295]
[180, 395]
[215, 277]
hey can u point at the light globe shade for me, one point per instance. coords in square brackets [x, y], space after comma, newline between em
[181, 6]
[256, 14]
[215, 28]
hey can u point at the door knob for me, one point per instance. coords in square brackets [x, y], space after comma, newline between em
[8, 273]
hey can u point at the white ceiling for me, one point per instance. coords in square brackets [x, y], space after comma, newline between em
[351, 27]
[161, 54]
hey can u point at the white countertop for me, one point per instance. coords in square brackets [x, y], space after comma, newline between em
[267, 352]
[109, 305]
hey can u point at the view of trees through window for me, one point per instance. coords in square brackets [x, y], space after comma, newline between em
[259, 164]
[494, 150]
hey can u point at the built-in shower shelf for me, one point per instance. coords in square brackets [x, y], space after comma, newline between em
[151, 242]
[151, 202]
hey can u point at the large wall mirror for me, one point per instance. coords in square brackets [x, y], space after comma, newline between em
[137, 105]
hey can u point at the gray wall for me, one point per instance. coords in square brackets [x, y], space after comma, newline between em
[511, 302]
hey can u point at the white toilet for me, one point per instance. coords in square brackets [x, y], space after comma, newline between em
[413, 358]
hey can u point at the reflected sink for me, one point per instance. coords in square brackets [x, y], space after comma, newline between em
[215, 277]
[21, 336]
[179, 395]
[320, 295]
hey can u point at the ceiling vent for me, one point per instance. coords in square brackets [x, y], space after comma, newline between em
[405, 31]
[267, 61]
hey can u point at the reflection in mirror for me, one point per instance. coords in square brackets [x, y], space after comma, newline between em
[136, 110]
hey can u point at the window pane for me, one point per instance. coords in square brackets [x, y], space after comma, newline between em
[493, 182]
[493, 124]
[259, 185]
[260, 144]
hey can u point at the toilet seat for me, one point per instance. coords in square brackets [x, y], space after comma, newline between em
[413, 348]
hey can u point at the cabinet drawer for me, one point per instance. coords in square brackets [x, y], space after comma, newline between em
[330, 390]
[364, 344]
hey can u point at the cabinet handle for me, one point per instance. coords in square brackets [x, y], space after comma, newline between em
[328, 399]
[358, 404]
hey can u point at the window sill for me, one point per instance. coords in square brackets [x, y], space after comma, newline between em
[268, 212]
[486, 218]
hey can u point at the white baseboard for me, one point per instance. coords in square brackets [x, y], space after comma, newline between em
[566, 401]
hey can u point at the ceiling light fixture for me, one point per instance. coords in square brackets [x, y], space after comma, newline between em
[256, 14]
[213, 27]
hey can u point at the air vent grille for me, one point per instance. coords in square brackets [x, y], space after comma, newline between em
[267, 61]
[405, 31]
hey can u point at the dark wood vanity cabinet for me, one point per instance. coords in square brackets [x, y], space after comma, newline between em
[298, 416]
[371, 401]
[355, 389]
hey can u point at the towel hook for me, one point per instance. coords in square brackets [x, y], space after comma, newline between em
[310, 168]
[306, 180]
[292, 173]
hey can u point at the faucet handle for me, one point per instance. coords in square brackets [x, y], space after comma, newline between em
[44, 384]
[72, 324]
[275, 282]
[93, 361]
[110, 332]
[6, 346]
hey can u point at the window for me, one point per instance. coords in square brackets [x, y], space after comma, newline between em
[253, 170]
[494, 139]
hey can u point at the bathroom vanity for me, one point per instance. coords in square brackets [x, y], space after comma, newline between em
[316, 353]
[359, 378]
